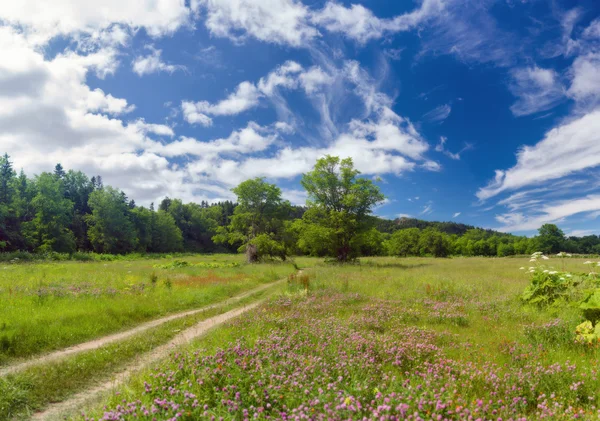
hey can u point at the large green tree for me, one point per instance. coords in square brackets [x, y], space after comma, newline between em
[257, 221]
[340, 202]
[550, 239]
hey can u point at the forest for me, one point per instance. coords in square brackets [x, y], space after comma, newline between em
[70, 212]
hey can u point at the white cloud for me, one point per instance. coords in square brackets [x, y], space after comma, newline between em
[158, 129]
[152, 63]
[314, 79]
[580, 233]
[549, 213]
[250, 139]
[273, 21]
[247, 95]
[569, 148]
[456, 215]
[585, 74]
[48, 114]
[593, 30]
[438, 114]
[360, 24]
[42, 21]
[441, 147]
[536, 90]
[403, 215]
[427, 209]
[468, 30]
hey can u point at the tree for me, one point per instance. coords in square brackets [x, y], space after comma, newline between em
[49, 229]
[550, 239]
[404, 242]
[166, 236]
[343, 202]
[434, 243]
[7, 175]
[59, 172]
[110, 228]
[259, 211]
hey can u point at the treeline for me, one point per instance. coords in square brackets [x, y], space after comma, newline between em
[67, 211]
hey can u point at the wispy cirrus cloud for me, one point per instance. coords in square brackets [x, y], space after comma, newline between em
[438, 114]
[572, 147]
[536, 90]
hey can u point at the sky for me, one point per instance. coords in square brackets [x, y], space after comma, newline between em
[485, 112]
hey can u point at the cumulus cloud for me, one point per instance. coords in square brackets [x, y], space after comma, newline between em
[290, 22]
[42, 21]
[273, 21]
[456, 215]
[567, 149]
[536, 90]
[51, 116]
[360, 24]
[152, 63]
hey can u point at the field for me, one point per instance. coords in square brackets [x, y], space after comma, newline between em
[413, 338]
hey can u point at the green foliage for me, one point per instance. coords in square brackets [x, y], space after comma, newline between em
[48, 231]
[586, 333]
[434, 243]
[110, 227]
[267, 247]
[550, 239]
[343, 202]
[548, 287]
[591, 306]
[166, 235]
[404, 243]
[177, 264]
[260, 213]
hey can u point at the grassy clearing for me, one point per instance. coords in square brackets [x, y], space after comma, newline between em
[387, 339]
[48, 306]
[32, 389]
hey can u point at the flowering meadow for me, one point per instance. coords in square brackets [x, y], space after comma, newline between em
[52, 305]
[414, 339]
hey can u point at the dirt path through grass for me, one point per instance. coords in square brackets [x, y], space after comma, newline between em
[97, 343]
[59, 410]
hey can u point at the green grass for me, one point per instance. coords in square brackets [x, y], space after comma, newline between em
[460, 320]
[52, 305]
[32, 389]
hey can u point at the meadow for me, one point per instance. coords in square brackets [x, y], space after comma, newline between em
[388, 339]
[46, 306]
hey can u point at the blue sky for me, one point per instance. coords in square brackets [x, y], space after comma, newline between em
[483, 112]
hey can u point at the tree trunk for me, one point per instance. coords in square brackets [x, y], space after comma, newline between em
[251, 253]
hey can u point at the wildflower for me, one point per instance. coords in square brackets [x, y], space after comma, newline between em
[587, 262]
[521, 268]
[552, 272]
[545, 257]
[546, 271]
[568, 275]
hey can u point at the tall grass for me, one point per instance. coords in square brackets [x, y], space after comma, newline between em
[50, 305]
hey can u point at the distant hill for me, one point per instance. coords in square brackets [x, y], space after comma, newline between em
[389, 226]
